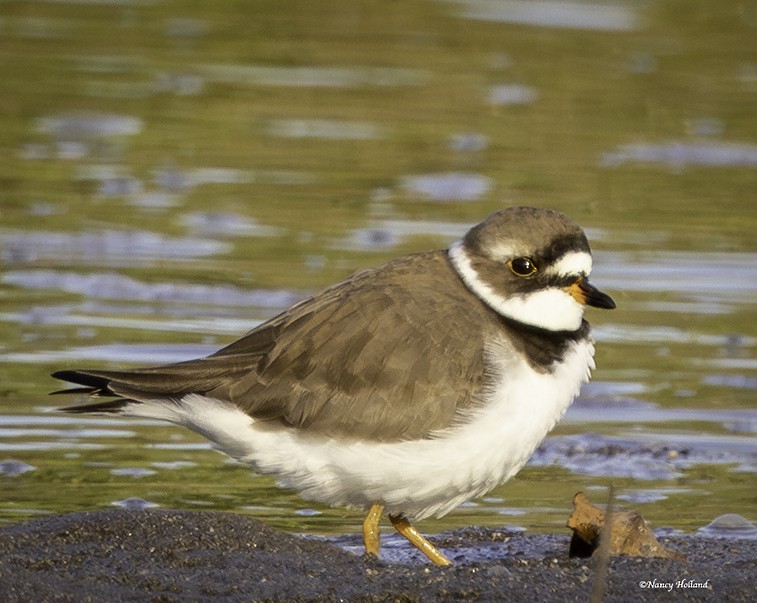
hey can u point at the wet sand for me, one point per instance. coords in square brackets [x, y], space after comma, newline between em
[160, 555]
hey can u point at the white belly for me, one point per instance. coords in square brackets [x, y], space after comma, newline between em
[419, 478]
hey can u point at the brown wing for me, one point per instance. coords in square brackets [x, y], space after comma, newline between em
[380, 356]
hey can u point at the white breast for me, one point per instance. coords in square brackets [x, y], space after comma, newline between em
[419, 478]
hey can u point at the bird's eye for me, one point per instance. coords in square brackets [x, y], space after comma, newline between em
[522, 266]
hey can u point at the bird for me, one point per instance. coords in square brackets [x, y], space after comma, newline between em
[406, 389]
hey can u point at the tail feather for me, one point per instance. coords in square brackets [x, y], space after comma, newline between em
[109, 394]
[212, 375]
[93, 384]
[108, 406]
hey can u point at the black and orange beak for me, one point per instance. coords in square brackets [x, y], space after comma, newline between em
[586, 294]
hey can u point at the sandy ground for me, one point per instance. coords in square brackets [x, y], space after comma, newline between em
[158, 555]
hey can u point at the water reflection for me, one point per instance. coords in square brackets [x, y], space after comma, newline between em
[469, 142]
[654, 495]
[386, 234]
[705, 276]
[137, 354]
[582, 413]
[152, 188]
[68, 432]
[312, 77]
[119, 247]
[448, 187]
[111, 285]
[643, 455]
[678, 155]
[12, 467]
[574, 15]
[135, 503]
[324, 128]
[134, 472]
[83, 126]
[221, 224]
[512, 94]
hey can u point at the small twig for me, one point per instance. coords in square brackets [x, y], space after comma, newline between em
[603, 553]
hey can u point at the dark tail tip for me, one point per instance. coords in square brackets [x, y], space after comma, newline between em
[110, 406]
[91, 385]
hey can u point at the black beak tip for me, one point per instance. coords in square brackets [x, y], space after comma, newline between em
[602, 300]
[596, 298]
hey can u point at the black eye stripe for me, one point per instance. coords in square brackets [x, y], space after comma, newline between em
[562, 281]
[563, 245]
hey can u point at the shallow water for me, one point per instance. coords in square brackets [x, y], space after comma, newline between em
[174, 175]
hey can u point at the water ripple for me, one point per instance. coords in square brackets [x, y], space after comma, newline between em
[122, 247]
[110, 285]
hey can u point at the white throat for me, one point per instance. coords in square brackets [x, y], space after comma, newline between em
[553, 308]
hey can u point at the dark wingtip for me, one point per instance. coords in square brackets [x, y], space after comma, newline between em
[91, 385]
[63, 375]
[111, 406]
[73, 390]
[80, 378]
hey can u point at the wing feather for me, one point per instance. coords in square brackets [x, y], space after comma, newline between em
[378, 356]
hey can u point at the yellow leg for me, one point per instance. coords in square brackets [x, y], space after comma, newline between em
[402, 525]
[372, 530]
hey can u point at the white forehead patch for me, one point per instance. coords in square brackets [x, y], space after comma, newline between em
[501, 251]
[573, 263]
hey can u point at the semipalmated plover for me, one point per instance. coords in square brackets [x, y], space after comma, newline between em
[408, 389]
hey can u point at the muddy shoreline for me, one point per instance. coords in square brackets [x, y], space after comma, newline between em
[163, 555]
